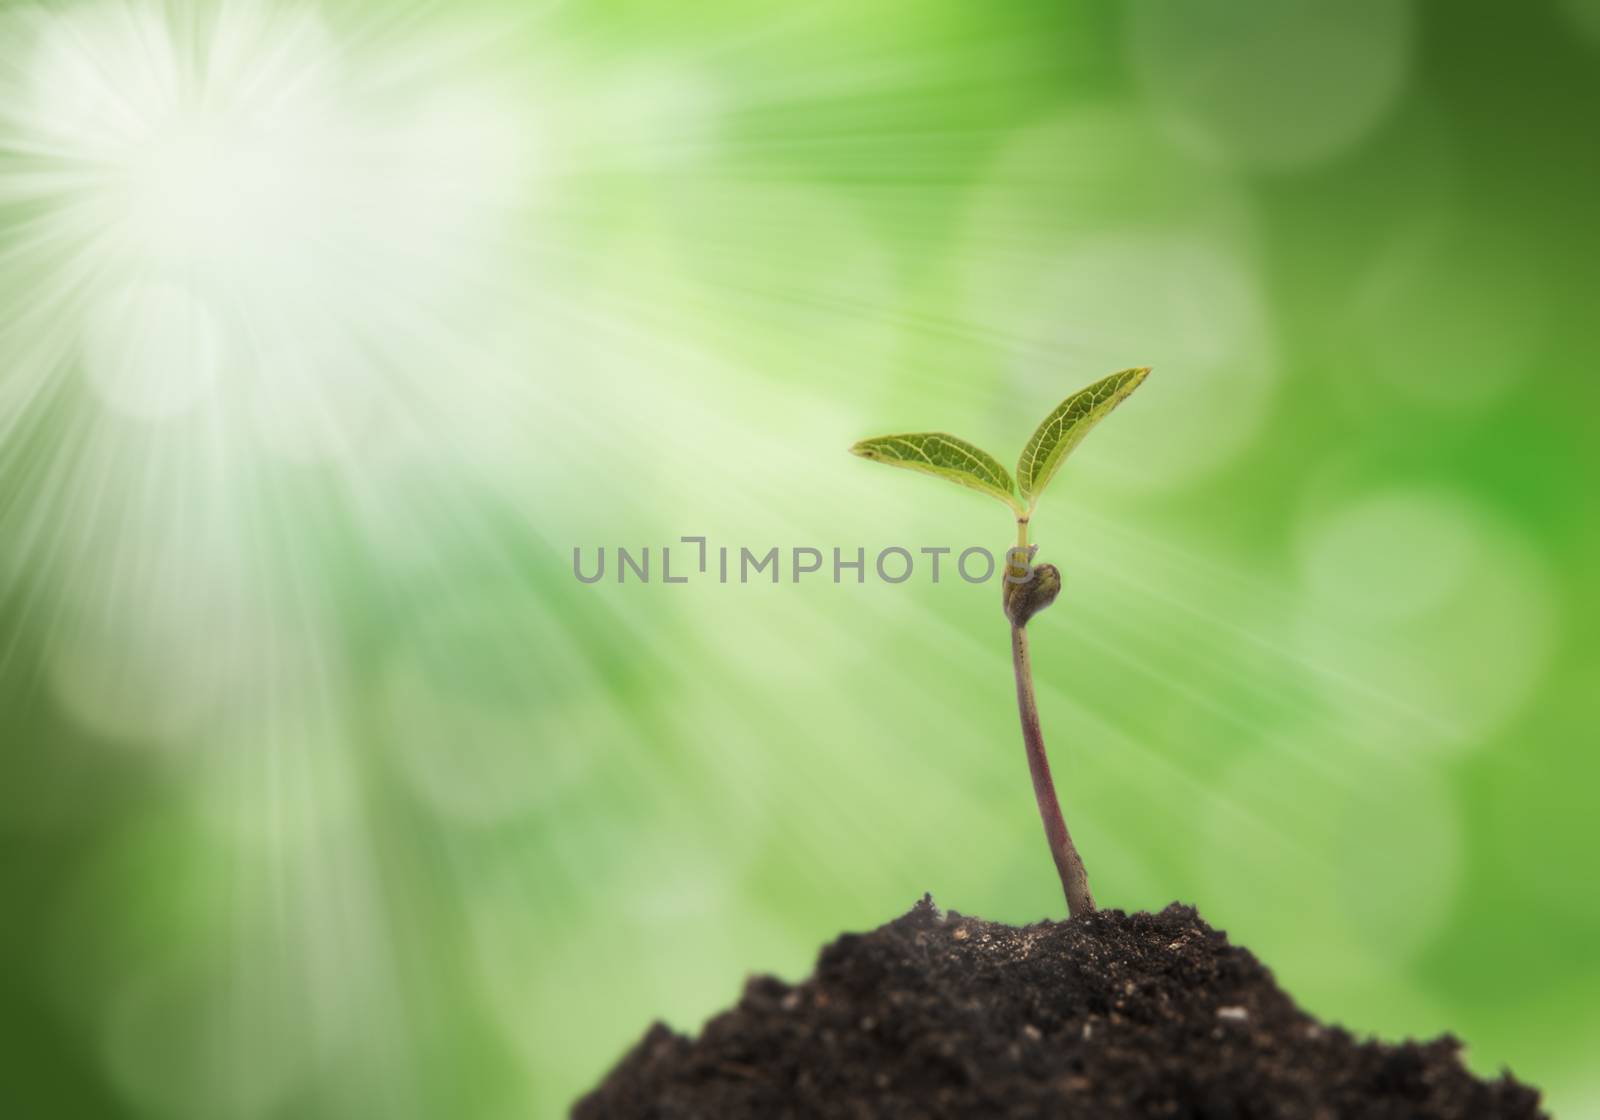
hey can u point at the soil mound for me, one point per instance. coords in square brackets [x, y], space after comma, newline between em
[1108, 1016]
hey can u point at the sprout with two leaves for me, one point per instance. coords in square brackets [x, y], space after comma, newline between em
[1027, 589]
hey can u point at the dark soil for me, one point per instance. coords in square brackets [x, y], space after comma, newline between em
[1106, 1017]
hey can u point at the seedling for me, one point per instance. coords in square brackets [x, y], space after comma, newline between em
[1027, 589]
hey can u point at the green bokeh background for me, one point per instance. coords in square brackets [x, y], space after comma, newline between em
[327, 791]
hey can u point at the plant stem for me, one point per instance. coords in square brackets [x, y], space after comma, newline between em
[1069, 865]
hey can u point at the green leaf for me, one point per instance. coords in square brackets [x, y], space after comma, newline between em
[1065, 428]
[943, 455]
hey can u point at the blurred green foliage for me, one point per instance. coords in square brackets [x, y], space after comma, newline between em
[326, 790]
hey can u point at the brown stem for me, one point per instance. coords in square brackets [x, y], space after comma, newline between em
[1069, 865]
